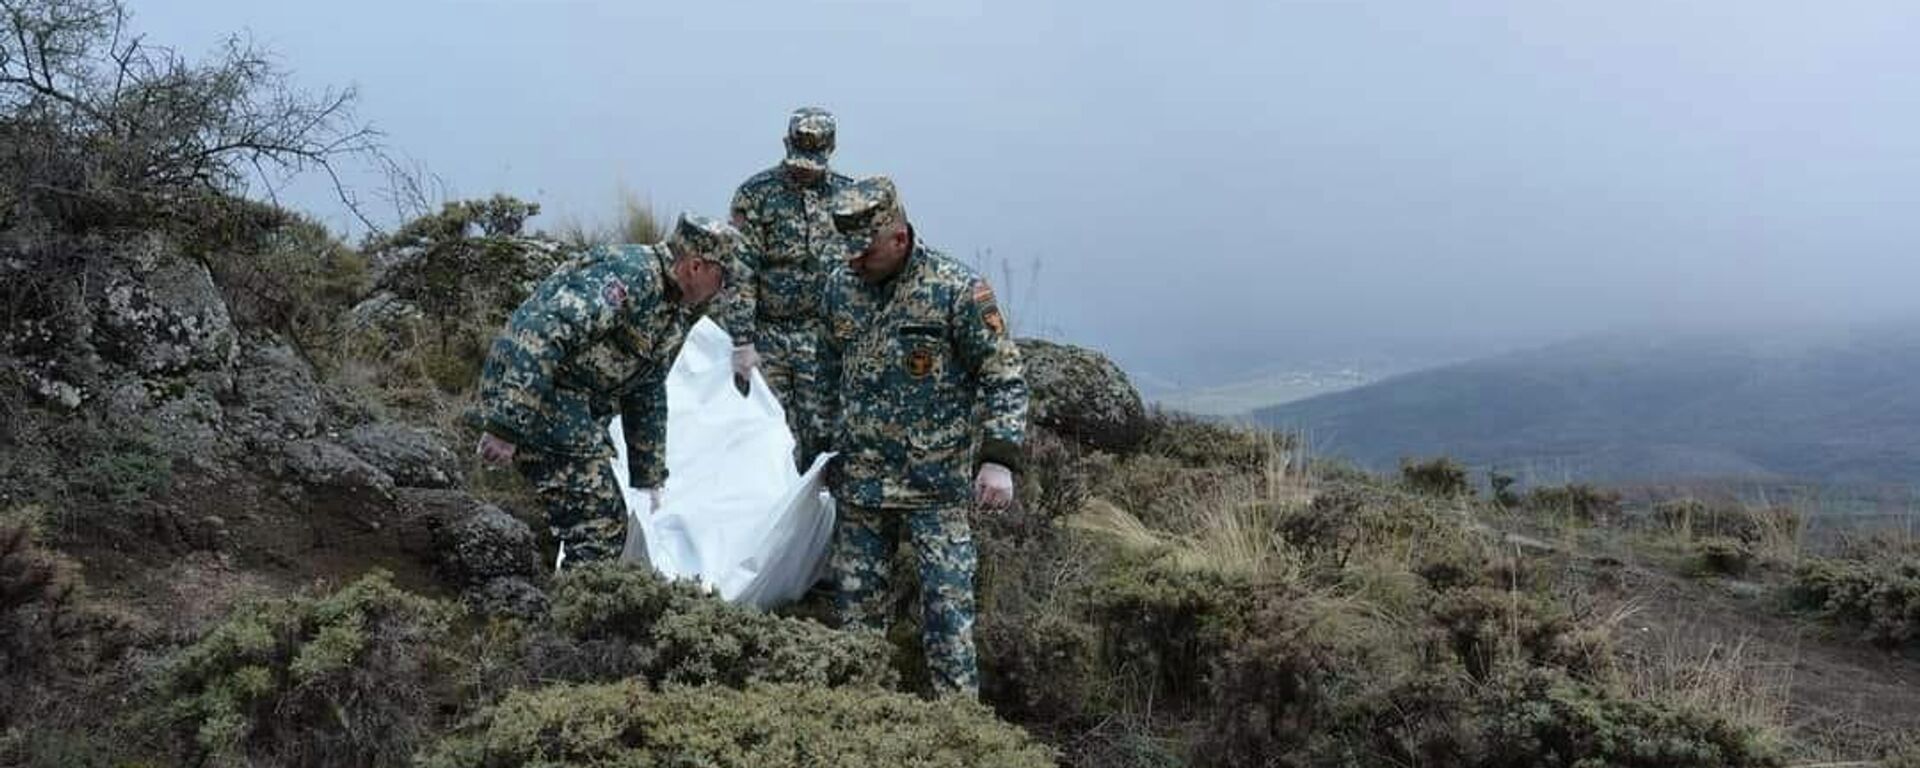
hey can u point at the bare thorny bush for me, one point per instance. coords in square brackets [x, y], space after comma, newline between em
[102, 132]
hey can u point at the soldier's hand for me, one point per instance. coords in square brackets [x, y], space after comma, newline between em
[494, 450]
[993, 486]
[653, 500]
[745, 359]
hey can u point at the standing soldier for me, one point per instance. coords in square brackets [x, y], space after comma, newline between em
[915, 348]
[774, 313]
[594, 339]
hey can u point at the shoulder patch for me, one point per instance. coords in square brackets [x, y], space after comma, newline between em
[982, 292]
[614, 292]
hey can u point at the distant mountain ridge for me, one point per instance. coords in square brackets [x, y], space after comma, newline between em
[1833, 407]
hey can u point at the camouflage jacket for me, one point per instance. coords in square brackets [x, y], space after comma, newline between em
[790, 246]
[594, 339]
[926, 382]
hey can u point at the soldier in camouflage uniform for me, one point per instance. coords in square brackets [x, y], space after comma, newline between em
[930, 394]
[594, 339]
[774, 314]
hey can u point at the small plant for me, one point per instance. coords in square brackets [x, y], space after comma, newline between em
[1881, 597]
[625, 723]
[1721, 556]
[1578, 501]
[1502, 485]
[128, 470]
[349, 678]
[1195, 442]
[1544, 719]
[618, 621]
[1163, 626]
[1441, 477]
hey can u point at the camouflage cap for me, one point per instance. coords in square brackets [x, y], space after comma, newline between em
[704, 238]
[863, 208]
[810, 139]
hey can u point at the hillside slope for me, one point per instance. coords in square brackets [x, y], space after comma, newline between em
[1835, 408]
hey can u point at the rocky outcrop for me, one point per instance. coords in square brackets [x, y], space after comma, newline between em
[161, 313]
[490, 555]
[1080, 394]
[413, 457]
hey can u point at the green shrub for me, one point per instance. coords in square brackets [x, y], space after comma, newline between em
[1037, 667]
[1345, 518]
[1722, 556]
[1748, 525]
[279, 269]
[619, 621]
[129, 469]
[349, 678]
[1489, 629]
[1502, 485]
[463, 261]
[1303, 679]
[1196, 442]
[627, 724]
[1441, 477]
[1544, 719]
[1906, 755]
[1578, 501]
[1162, 627]
[1881, 597]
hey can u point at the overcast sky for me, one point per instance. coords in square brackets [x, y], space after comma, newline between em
[1208, 187]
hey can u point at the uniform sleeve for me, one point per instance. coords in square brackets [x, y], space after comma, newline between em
[830, 358]
[735, 308]
[517, 380]
[643, 422]
[990, 357]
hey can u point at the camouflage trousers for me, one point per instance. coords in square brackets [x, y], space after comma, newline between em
[864, 540]
[586, 510]
[789, 360]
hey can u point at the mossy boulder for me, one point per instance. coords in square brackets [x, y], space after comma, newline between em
[1080, 394]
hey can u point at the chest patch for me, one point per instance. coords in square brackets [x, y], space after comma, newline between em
[919, 362]
[614, 292]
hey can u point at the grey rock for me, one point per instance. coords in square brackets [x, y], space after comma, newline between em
[470, 541]
[415, 458]
[386, 314]
[164, 314]
[328, 465]
[486, 545]
[278, 388]
[1081, 395]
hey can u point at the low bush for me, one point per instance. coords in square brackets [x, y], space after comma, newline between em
[1197, 442]
[1162, 627]
[628, 724]
[1577, 501]
[356, 677]
[1774, 527]
[1722, 556]
[1441, 477]
[1541, 718]
[618, 621]
[1881, 597]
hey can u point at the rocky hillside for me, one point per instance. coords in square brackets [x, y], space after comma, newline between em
[239, 525]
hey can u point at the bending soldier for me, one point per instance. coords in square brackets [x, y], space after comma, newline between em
[915, 348]
[594, 339]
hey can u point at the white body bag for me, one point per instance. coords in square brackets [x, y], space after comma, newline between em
[735, 514]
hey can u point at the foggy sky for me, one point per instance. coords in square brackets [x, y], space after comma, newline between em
[1207, 187]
